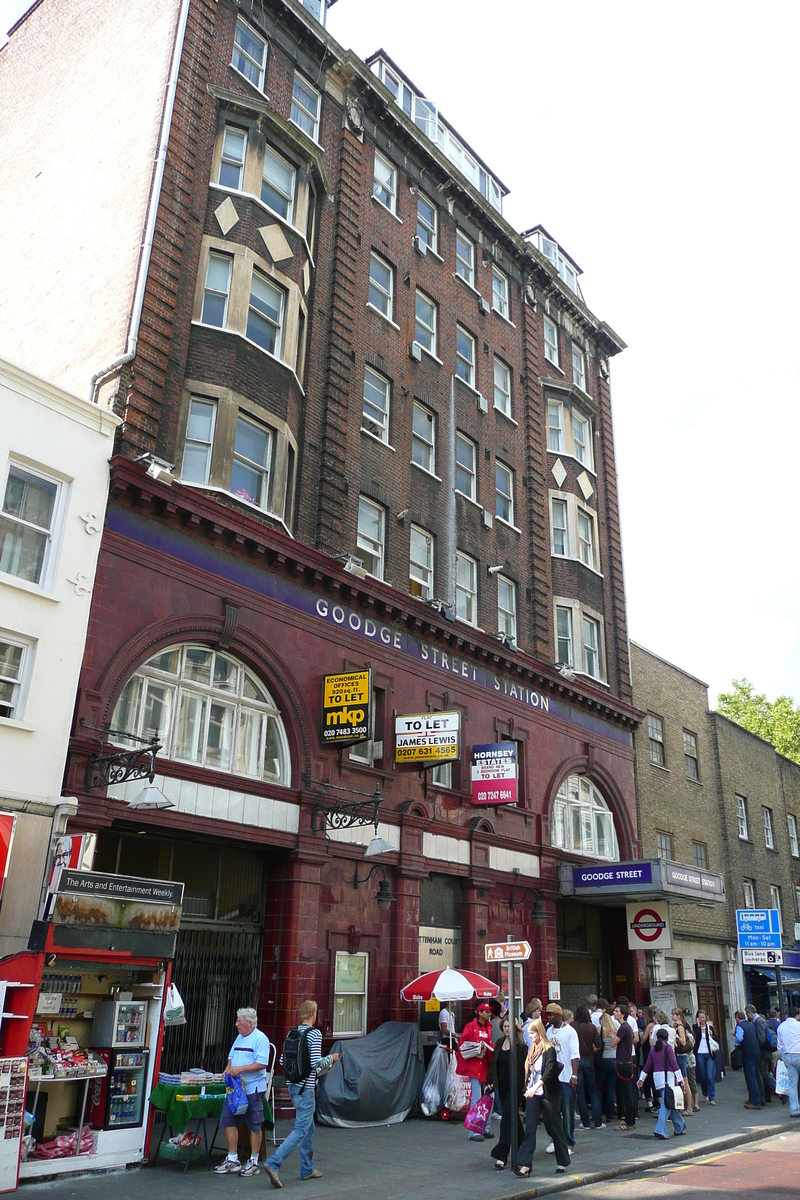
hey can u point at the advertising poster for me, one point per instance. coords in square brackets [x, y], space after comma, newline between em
[427, 738]
[346, 700]
[494, 773]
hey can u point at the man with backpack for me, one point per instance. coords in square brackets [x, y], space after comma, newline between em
[302, 1062]
[248, 1060]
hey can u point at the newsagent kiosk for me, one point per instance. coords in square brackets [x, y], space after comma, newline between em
[82, 1026]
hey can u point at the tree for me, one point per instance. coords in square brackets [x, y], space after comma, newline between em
[776, 721]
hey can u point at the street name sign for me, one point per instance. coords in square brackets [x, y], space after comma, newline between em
[758, 928]
[762, 958]
[507, 951]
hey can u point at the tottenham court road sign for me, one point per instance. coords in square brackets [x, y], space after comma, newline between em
[758, 928]
[506, 951]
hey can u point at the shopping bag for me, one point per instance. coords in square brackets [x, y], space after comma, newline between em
[781, 1079]
[677, 1097]
[737, 1058]
[434, 1086]
[235, 1097]
[174, 1010]
[479, 1116]
[459, 1089]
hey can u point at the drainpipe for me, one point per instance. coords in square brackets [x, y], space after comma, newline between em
[150, 227]
[449, 492]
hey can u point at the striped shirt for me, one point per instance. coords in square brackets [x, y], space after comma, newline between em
[319, 1065]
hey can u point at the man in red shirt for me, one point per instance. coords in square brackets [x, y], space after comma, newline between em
[478, 1031]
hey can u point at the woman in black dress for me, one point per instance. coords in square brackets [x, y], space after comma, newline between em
[500, 1082]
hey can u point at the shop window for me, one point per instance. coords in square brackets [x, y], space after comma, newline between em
[350, 994]
[206, 708]
[582, 821]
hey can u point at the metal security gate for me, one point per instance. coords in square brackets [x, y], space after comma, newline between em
[216, 972]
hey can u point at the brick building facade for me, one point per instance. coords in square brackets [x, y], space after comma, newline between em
[713, 796]
[366, 423]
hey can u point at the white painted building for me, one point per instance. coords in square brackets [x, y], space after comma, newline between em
[54, 452]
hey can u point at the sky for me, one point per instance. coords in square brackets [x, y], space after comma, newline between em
[658, 145]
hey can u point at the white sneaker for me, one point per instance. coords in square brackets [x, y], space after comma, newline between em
[569, 1148]
[551, 1149]
[228, 1167]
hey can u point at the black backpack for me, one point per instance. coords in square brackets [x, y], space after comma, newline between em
[296, 1055]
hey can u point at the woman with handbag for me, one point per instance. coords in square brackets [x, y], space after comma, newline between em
[500, 1084]
[663, 1066]
[542, 1091]
[706, 1046]
[475, 1049]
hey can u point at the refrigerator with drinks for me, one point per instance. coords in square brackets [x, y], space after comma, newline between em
[117, 1100]
[119, 1023]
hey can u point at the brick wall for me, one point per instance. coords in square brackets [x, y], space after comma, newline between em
[667, 799]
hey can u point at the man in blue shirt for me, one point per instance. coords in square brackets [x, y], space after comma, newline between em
[248, 1059]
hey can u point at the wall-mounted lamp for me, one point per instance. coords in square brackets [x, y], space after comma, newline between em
[566, 670]
[384, 897]
[538, 913]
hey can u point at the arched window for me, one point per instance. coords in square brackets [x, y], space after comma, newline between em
[206, 708]
[582, 821]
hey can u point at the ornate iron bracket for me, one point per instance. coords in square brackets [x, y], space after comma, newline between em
[121, 765]
[346, 815]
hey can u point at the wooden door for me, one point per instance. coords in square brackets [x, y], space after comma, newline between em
[709, 998]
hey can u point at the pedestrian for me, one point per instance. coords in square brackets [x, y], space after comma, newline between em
[541, 1098]
[500, 1084]
[247, 1061]
[764, 1064]
[447, 1024]
[789, 1049]
[565, 1040]
[303, 1096]
[662, 1066]
[476, 1040]
[706, 1045]
[589, 1046]
[533, 1012]
[623, 1043]
[597, 1010]
[608, 1069]
[684, 1044]
[745, 1036]
[773, 1024]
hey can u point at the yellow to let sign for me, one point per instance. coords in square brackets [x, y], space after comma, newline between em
[427, 737]
[346, 700]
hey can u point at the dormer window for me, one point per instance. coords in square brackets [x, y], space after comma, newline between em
[568, 271]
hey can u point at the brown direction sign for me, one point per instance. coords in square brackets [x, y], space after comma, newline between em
[507, 951]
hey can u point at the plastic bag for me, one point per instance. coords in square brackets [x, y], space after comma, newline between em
[434, 1086]
[174, 1009]
[64, 1146]
[677, 1097]
[235, 1099]
[781, 1079]
[479, 1116]
[459, 1089]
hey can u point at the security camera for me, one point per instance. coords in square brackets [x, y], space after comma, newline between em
[495, 570]
[567, 671]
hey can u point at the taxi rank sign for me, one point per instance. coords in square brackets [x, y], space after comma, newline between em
[346, 700]
[427, 738]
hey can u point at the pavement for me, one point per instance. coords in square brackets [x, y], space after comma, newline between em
[421, 1159]
[765, 1170]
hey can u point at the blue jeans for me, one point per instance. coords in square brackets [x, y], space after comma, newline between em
[608, 1075]
[751, 1077]
[678, 1122]
[792, 1063]
[303, 1133]
[588, 1093]
[477, 1092]
[568, 1111]
[706, 1070]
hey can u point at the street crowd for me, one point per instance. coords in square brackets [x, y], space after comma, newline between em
[582, 1070]
[606, 1062]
